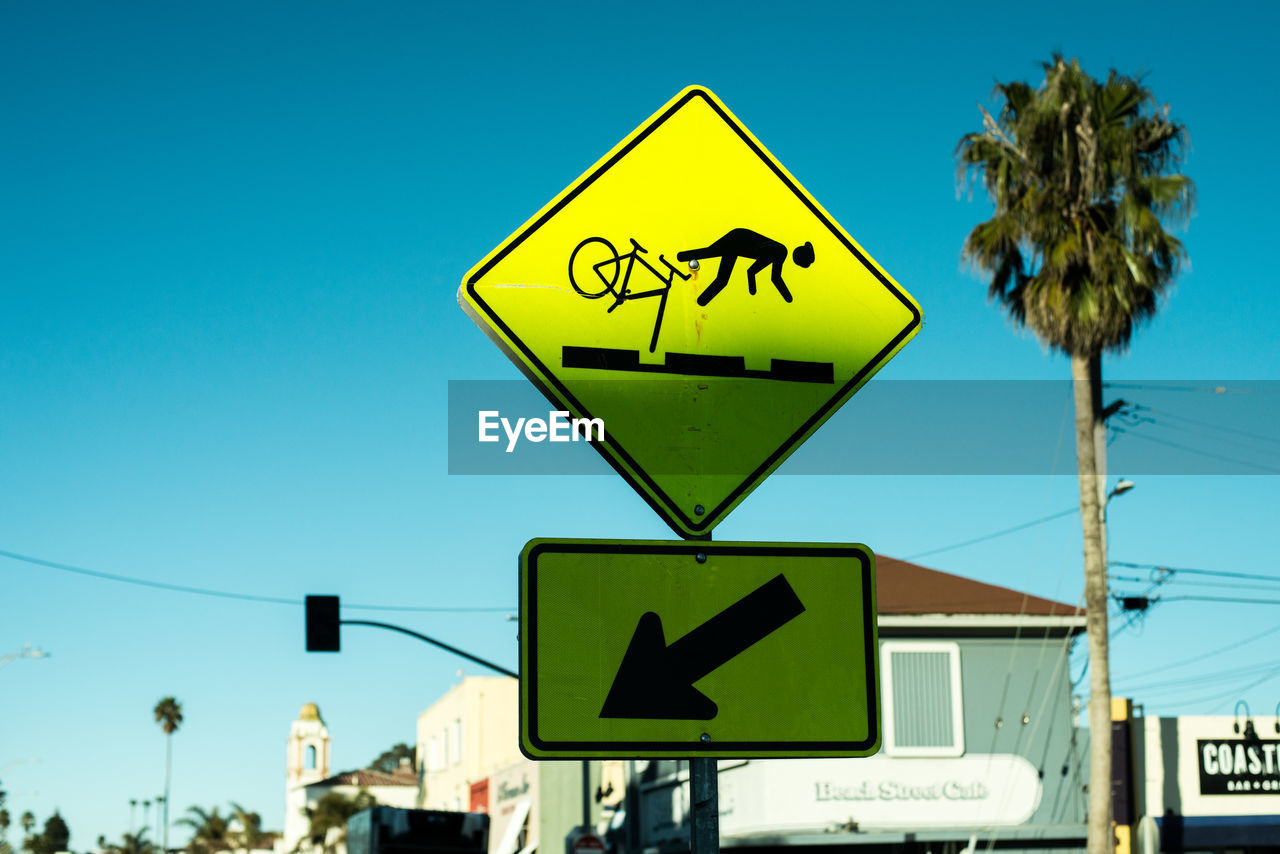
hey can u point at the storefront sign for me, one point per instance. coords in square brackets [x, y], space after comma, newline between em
[771, 796]
[1234, 766]
[513, 797]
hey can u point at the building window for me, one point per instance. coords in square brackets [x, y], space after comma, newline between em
[457, 741]
[309, 760]
[444, 748]
[920, 692]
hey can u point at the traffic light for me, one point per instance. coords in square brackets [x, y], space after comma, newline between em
[322, 624]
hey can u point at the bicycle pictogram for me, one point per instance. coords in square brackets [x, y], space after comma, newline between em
[595, 267]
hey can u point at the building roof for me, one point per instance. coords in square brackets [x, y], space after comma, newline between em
[907, 588]
[310, 712]
[365, 778]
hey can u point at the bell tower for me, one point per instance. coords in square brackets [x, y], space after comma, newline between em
[306, 761]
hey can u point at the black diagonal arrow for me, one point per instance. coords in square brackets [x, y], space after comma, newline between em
[656, 681]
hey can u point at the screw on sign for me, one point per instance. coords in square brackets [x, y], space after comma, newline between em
[588, 843]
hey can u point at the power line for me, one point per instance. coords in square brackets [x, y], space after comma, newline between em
[1203, 656]
[1197, 451]
[1176, 569]
[1236, 691]
[1210, 425]
[992, 536]
[1202, 389]
[222, 594]
[1137, 579]
[1238, 438]
[1218, 599]
[1247, 670]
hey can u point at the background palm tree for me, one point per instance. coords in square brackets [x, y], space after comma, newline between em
[168, 714]
[131, 843]
[388, 762]
[137, 843]
[331, 813]
[211, 831]
[1081, 175]
[28, 821]
[56, 836]
[248, 833]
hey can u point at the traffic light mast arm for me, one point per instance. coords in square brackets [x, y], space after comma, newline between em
[489, 664]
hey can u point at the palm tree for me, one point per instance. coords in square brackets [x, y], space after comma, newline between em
[1081, 173]
[248, 834]
[168, 714]
[131, 843]
[28, 821]
[137, 843]
[331, 813]
[211, 831]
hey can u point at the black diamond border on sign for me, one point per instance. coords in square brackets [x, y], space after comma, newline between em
[615, 454]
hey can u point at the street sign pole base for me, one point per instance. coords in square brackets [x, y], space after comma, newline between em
[704, 820]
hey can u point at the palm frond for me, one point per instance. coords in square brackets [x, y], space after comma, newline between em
[1083, 177]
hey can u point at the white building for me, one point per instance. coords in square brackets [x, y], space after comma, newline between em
[306, 761]
[1208, 783]
[307, 778]
[469, 751]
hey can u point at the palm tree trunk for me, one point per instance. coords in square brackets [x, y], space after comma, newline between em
[1085, 376]
[168, 764]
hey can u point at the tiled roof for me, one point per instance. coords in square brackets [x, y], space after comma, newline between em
[365, 778]
[906, 588]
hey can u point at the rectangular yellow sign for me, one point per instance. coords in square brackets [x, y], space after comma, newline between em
[645, 649]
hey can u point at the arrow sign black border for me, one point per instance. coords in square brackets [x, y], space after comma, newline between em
[862, 562]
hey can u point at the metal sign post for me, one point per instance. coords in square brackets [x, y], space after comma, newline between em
[704, 804]
[704, 800]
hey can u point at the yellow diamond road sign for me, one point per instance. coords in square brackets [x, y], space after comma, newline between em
[691, 294]
[636, 648]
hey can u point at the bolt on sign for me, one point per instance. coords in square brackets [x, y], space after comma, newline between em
[689, 292]
[640, 648]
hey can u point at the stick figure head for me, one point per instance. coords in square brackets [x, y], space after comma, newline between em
[803, 255]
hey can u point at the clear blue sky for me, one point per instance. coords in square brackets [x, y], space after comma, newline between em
[230, 241]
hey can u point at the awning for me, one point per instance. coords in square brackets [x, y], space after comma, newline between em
[512, 833]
